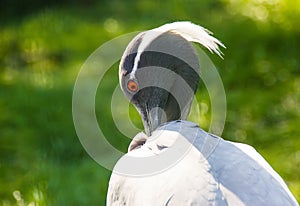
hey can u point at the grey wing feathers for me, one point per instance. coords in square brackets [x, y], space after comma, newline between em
[247, 176]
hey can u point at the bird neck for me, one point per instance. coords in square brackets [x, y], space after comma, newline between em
[169, 111]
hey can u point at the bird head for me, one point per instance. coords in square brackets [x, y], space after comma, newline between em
[159, 71]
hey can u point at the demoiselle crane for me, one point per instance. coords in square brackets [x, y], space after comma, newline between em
[175, 162]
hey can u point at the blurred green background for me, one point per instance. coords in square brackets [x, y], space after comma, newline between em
[43, 45]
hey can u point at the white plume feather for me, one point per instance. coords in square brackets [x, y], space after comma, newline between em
[194, 33]
[191, 32]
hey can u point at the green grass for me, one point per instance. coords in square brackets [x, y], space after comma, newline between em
[41, 159]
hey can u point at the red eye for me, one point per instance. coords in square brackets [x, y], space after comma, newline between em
[132, 86]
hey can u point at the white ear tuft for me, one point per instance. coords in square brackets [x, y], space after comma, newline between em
[191, 32]
[194, 33]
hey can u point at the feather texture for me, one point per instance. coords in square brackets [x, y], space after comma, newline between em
[212, 172]
[191, 32]
[194, 33]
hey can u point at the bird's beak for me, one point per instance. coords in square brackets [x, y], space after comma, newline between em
[153, 119]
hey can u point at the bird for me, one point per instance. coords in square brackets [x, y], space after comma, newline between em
[175, 162]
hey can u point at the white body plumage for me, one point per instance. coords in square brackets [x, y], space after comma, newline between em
[215, 173]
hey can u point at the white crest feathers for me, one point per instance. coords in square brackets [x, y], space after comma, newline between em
[194, 33]
[191, 32]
